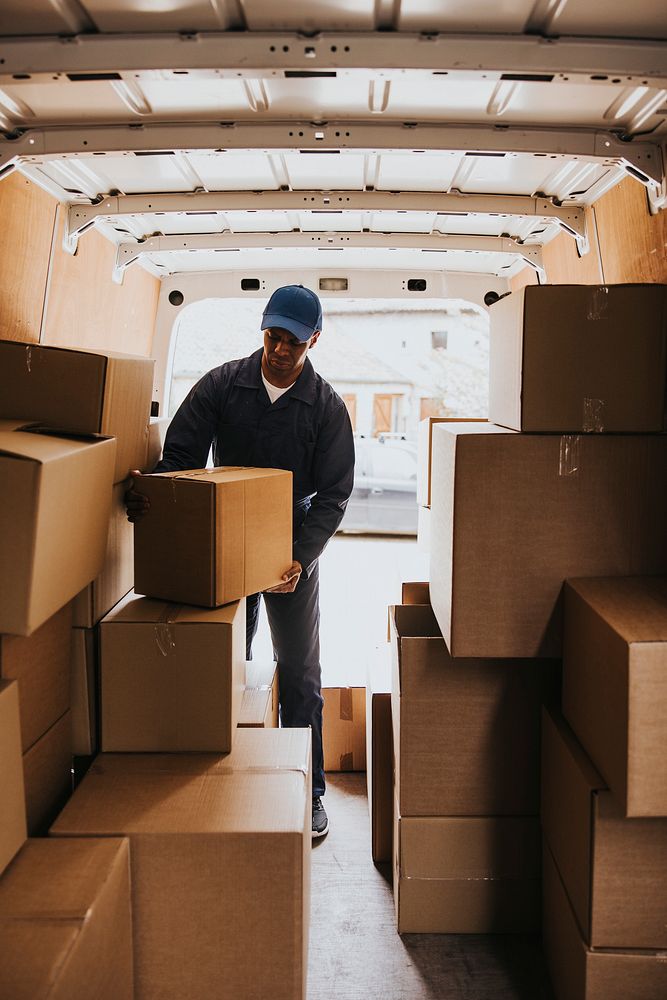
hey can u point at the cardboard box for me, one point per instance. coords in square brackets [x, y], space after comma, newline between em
[220, 861]
[466, 732]
[379, 755]
[171, 676]
[157, 431]
[229, 531]
[579, 358]
[513, 515]
[581, 973]
[424, 528]
[41, 665]
[12, 827]
[415, 593]
[84, 691]
[117, 576]
[80, 391]
[344, 728]
[460, 875]
[614, 870]
[65, 921]
[256, 709]
[615, 684]
[424, 445]
[47, 775]
[55, 495]
[260, 703]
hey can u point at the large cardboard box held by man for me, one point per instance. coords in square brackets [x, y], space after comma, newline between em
[514, 515]
[213, 536]
[12, 825]
[614, 869]
[65, 921]
[171, 677]
[41, 665]
[220, 863]
[463, 875]
[466, 731]
[579, 358]
[615, 684]
[581, 973]
[55, 498]
[80, 391]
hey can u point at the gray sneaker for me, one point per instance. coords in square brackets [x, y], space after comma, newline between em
[320, 818]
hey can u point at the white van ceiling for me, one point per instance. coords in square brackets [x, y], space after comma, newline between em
[200, 135]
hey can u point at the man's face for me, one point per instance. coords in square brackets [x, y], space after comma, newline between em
[284, 355]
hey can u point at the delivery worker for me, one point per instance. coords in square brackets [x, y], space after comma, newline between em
[272, 410]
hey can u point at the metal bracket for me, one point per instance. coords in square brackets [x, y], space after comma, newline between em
[81, 218]
[643, 159]
[128, 254]
[657, 193]
[256, 55]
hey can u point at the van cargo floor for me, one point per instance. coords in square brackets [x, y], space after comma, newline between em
[355, 951]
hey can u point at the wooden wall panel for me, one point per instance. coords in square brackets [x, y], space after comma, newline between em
[28, 217]
[627, 244]
[633, 243]
[86, 309]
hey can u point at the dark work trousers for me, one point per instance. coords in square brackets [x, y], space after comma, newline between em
[294, 620]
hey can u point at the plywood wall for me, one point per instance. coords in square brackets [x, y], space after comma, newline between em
[85, 309]
[49, 295]
[633, 243]
[627, 244]
[27, 217]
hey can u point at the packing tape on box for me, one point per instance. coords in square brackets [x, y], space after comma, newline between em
[598, 302]
[164, 634]
[593, 416]
[568, 459]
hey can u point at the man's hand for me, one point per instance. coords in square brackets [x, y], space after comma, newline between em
[291, 578]
[136, 503]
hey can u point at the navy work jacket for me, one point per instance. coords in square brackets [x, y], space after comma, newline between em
[307, 431]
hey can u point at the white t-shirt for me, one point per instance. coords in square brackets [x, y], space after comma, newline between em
[274, 391]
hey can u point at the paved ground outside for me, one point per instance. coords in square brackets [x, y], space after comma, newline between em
[360, 576]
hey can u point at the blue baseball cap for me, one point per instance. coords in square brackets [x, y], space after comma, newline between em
[294, 308]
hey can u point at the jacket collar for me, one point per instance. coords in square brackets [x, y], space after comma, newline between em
[250, 377]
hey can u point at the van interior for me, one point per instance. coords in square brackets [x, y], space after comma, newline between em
[157, 156]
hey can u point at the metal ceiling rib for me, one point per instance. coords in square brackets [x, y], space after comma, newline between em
[643, 19]
[468, 133]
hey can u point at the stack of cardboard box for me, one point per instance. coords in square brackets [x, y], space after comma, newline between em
[569, 478]
[604, 794]
[218, 817]
[212, 824]
[71, 422]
